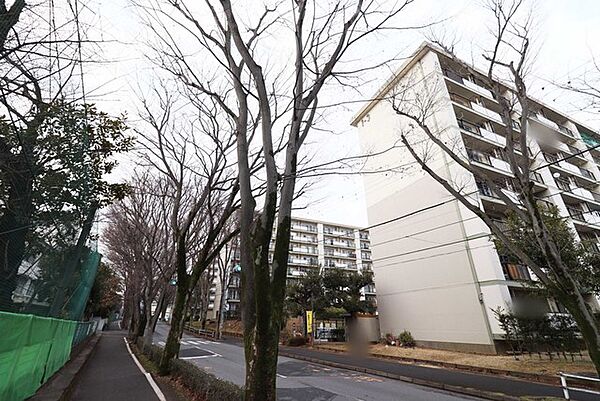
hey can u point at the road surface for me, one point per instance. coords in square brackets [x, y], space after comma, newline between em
[302, 381]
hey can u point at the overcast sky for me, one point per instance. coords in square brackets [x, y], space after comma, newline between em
[568, 33]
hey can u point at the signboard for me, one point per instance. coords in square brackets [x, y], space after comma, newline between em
[309, 321]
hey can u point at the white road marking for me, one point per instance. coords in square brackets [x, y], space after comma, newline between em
[161, 343]
[200, 357]
[156, 389]
[282, 376]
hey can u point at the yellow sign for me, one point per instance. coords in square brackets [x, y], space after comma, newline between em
[309, 321]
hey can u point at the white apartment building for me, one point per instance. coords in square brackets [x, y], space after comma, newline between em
[437, 272]
[313, 245]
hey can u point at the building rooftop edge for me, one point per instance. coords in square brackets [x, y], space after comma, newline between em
[331, 223]
[423, 49]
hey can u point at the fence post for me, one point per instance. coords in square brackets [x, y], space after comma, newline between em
[565, 388]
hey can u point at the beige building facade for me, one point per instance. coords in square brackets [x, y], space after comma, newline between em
[437, 271]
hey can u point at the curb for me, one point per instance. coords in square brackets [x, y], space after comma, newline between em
[61, 384]
[545, 379]
[427, 383]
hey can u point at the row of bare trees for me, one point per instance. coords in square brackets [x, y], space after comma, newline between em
[224, 154]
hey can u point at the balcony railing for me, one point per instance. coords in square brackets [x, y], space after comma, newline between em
[563, 185]
[463, 101]
[469, 84]
[587, 173]
[577, 214]
[482, 132]
[485, 158]
[566, 131]
[535, 176]
[572, 149]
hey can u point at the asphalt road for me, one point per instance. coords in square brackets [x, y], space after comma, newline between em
[302, 381]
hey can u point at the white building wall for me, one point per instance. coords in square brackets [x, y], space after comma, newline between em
[436, 294]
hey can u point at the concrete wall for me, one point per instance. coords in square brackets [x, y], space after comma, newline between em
[434, 293]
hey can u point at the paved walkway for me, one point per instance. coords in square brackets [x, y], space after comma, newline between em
[112, 375]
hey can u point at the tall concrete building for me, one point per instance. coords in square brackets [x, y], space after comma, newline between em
[437, 271]
[313, 245]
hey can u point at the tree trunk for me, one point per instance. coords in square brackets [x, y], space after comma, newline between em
[221, 310]
[262, 353]
[177, 317]
[177, 313]
[12, 248]
[151, 321]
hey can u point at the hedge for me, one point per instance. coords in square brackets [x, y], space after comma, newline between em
[204, 385]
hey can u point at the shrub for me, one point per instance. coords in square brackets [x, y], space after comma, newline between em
[297, 341]
[205, 385]
[390, 339]
[406, 339]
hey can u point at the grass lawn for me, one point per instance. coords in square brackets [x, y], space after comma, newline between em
[524, 364]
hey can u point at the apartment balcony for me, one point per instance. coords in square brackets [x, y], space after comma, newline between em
[468, 84]
[486, 191]
[475, 107]
[478, 88]
[571, 168]
[585, 217]
[296, 272]
[307, 240]
[484, 158]
[562, 130]
[303, 261]
[306, 250]
[341, 265]
[343, 244]
[557, 161]
[591, 245]
[486, 112]
[338, 233]
[369, 289]
[481, 132]
[303, 227]
[349, 255]
[583, 193]
[516, 272]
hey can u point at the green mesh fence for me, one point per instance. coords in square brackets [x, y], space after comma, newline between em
[56, 284]
[32, 349]
[39, 315]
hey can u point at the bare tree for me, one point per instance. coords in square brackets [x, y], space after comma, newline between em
[274, 110]
[137, 239]
[586, 84]
[191, 153]
[415, 102]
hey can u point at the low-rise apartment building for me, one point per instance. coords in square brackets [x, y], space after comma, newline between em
[437, 272]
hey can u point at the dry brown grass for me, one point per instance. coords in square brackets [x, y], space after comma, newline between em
[523, 364]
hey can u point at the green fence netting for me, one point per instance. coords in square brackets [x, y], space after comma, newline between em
[53, 284]
[32, 349]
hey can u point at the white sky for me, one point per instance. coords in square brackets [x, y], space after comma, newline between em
[568, 33]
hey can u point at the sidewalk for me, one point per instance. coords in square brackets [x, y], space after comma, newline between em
[112, 375]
